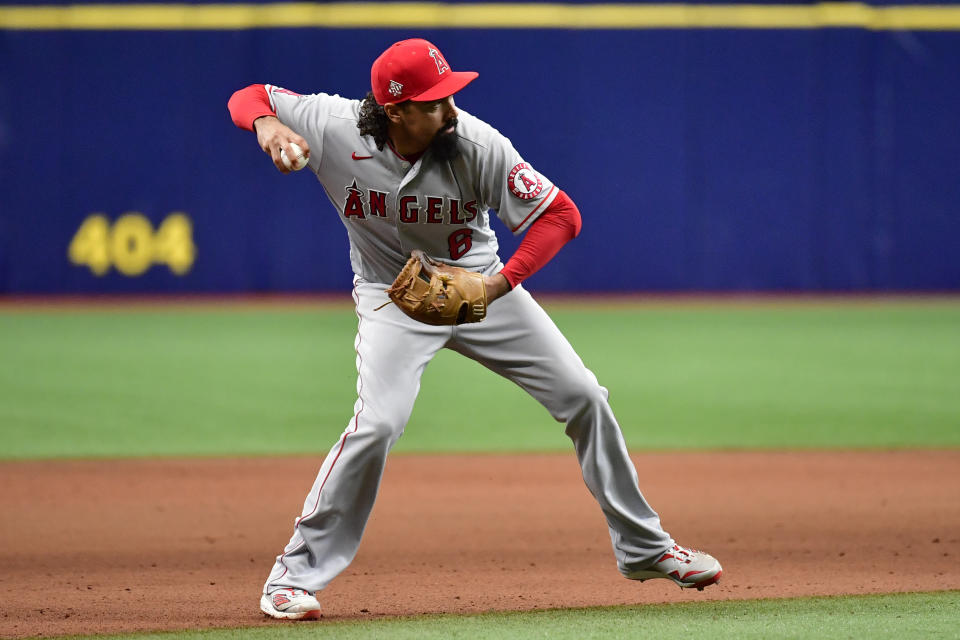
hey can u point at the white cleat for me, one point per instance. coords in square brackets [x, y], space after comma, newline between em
[689, 568]
[290, 604]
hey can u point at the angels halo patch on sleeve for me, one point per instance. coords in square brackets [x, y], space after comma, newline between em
[525, 183]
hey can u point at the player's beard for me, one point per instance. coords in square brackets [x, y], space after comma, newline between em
[444, 145]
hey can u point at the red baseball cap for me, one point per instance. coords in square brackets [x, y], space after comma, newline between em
[415, 70]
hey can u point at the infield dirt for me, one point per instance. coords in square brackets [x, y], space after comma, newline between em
[115, 546]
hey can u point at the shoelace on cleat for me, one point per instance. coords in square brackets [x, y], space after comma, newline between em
[680, 554]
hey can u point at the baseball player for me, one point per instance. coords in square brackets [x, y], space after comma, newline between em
[410, 173]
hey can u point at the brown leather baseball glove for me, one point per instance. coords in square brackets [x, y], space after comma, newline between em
[437, 293]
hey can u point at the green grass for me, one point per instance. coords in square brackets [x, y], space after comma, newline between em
[916, 615]
[250, 382]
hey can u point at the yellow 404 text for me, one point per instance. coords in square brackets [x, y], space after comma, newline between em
[131, 245]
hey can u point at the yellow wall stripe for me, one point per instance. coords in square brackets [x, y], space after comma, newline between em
[497, 16]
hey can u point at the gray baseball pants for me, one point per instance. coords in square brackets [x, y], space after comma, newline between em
[517, 340]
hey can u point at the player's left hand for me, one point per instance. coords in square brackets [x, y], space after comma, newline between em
[496, 285]
[435, 293]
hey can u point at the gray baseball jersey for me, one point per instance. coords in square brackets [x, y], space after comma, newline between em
[390, 206]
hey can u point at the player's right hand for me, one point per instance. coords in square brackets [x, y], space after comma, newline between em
[273, 137]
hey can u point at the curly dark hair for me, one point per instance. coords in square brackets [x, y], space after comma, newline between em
[373, 121]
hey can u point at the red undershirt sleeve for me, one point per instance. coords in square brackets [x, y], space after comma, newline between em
[248, 104]
[557, 225]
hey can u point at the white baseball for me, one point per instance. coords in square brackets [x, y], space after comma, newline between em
[300, 160]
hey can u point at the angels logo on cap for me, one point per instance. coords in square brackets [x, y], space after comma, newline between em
[441, 63]
[415, 70]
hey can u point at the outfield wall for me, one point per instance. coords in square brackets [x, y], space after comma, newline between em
[704, 155]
